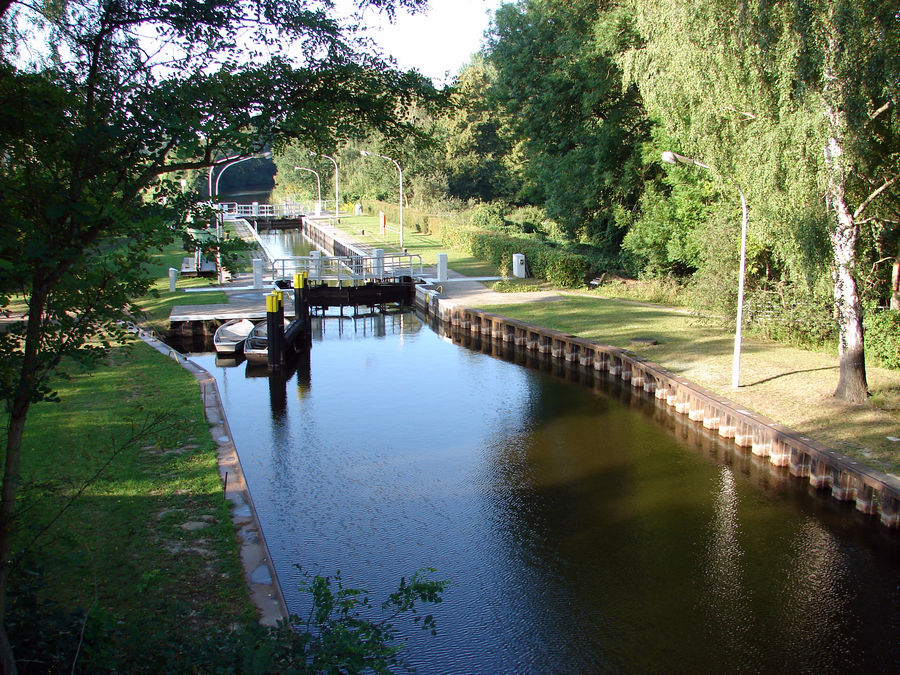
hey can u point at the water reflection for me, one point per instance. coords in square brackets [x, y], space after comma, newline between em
[586, 529]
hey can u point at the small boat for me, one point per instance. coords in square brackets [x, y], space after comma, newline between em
[256, 346]
[230, 336]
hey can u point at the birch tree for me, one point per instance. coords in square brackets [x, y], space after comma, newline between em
[798, 100]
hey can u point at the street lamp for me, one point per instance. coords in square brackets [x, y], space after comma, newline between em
[366, 153]
[674, 158]
[214, 192]
[333, 161]
[318, 181]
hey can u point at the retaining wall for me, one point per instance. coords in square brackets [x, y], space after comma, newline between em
[329, 240]
[873, 492]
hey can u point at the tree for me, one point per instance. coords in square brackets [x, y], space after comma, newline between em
[793, 99]
[96, 132]
[579, 127]
[477, 140]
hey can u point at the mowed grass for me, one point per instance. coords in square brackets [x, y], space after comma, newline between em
[157, 305]
[789, 385]
[121, 505]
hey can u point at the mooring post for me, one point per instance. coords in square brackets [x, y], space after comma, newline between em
[301, 300]
[275, 329]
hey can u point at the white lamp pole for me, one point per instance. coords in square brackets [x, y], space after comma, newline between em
[333, 161]
[318, 181]
[214, 192]
[366, 153]
[674, 158]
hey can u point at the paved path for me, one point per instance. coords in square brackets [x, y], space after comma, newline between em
[476, 294]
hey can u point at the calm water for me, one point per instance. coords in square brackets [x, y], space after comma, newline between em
[584, 528]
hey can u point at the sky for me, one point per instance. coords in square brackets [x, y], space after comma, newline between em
[436, 42]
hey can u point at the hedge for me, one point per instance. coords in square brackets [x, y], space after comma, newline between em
[544, 261]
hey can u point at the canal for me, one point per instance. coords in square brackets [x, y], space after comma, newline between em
[584, 528]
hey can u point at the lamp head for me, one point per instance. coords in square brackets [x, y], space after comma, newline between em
[669, 157]
[365, 153]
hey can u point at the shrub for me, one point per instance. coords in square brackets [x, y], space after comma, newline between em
[559, 267]
[489, 216]
[883, 336]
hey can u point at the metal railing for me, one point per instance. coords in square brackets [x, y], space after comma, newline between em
[349, 268]
[286, 210]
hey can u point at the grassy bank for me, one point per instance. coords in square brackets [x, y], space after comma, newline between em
[123, 512]
[790, 385]
[157, 305]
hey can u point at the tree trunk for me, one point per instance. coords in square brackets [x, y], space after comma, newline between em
[852, 385]
[21, 403]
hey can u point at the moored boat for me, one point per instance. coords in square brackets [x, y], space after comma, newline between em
[231, 336]
[256, 346]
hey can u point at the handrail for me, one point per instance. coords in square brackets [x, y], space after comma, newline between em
[349, 268]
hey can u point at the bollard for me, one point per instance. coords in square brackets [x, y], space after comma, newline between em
[257, 273]
[301, 301]
[378, 265]
[275, 330]
[173, 278]
[442, 267]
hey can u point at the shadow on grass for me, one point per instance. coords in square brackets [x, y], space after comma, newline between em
[792, 372]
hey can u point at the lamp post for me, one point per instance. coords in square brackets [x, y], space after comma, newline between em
[214, 189]
[674, 158]
[214, 192]
[333, 161]
[366, 153]
[318, 181]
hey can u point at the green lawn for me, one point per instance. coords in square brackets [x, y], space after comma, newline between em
[148, 545]
[158, 304]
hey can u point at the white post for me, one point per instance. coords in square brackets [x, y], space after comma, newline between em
[675, 158]
[257, 273]
[442, 267]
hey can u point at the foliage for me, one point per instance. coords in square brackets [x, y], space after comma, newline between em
[883, 336]
[576, 128]
[489, 217]
[559, 267]
[477, 138]
[796, 107]
[334, 638]
[780, 312]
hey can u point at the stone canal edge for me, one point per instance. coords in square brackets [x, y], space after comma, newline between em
[259, 572]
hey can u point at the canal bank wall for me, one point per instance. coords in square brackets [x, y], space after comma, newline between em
[872, 492]
[259, 572]
[330, 240]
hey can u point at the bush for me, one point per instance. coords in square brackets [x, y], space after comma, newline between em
[883, 336]
[336, 636]
[786, 313]
[489, 216]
